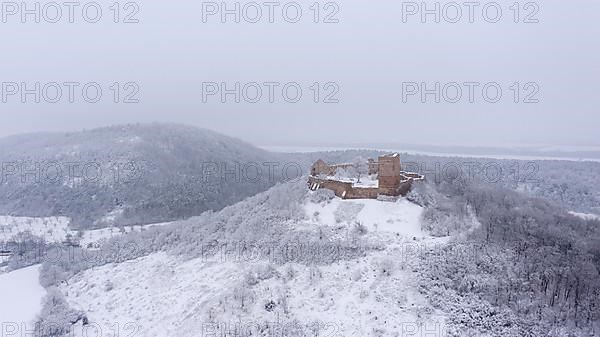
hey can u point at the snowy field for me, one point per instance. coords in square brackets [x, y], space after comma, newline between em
[52, 229]
[374, 295]
[56, 229]
[21, 296]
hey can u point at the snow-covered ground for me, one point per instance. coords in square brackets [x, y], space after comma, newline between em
[56, 229]
[365, 181]
[586, 216]
[97, 235]
[53, 229]
[160, 295]
[21, 296]
[402, 216]
[374, 295]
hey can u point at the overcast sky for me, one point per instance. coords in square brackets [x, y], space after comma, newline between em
[369, 55]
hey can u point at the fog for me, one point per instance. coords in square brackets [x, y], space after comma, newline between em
[369, 67]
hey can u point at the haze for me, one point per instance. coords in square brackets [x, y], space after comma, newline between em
[369, 54]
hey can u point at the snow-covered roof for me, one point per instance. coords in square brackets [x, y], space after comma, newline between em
[395, 154]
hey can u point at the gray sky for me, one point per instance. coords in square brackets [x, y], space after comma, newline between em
[368, 54]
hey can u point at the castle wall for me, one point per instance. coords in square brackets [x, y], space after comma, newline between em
[392, 181]
[322, 168]
[345, 190]
[338, 187]
[362, 193]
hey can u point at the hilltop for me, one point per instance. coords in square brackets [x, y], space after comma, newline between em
[129, 174]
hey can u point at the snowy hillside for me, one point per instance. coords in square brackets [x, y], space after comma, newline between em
[440, 261]
[401, 217]
[373, 294]
[52, 229]
[26, 241]
[57, 230]
[129, 174]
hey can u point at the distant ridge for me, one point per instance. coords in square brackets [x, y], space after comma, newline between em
[136, 173]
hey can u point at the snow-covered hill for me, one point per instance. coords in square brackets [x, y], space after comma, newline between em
[318, 265]
[129, 174]
[374, 293]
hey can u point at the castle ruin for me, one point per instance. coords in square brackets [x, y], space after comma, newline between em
[390, 180]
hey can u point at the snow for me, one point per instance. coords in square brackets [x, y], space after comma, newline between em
[159, 294]
[21, 296]
[355, 298]
[402, 216]
[365, 182]
[134, 139]
[56, 229]
[52, 229]
[96, 236]
[586, 216]
[377, 294]
[112, 216]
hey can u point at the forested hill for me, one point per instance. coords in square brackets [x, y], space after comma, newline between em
[129, 174]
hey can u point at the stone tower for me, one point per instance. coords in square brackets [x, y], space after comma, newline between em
[389, 174]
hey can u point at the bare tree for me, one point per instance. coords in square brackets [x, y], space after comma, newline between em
[360, 167]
